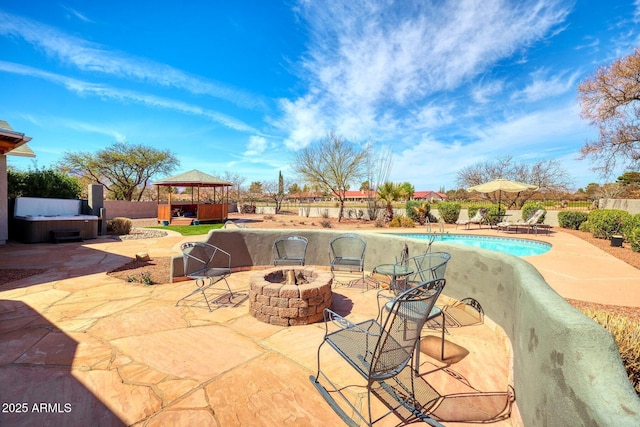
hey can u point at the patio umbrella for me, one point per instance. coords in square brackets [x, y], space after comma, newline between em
[502, 185]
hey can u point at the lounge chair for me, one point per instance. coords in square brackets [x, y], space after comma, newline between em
[529, 224]
[478, 218]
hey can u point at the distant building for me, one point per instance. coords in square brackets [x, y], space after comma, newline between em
[358, 196]
[304, 197]
[429, 196]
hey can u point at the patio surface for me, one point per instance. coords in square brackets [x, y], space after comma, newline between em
[82, 348]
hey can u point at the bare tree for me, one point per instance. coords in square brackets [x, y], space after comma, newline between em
[377, 168]
[332, 164]
[548, 175]
[275, 191]
[610, 100]
[237, 180]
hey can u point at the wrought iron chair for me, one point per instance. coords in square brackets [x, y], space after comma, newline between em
[346, 253]
[202, 262]
[427, 266]
[381, 351]
[290, 250]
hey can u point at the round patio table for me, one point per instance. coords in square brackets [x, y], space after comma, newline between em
[395, 272]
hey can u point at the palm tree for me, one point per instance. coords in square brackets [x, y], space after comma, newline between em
[389, 192]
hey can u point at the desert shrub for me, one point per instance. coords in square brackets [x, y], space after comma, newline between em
[633, 237]
[571, 219]
[324, 213]
[529, 208]
[402, 221]
[379, 222]
[418, 211]
[626, 333]
[119, 226]
[325, 223]
[449, 211]
[604, 223]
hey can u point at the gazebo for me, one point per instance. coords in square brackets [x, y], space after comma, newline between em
[185, 212]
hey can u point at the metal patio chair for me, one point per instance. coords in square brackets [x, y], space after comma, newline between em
[205, 262]
[381, 351]
[427, 266]
[290, 250]
[346, 253]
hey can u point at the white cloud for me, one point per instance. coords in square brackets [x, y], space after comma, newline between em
[256, 146]
[77, 14]
[369, 61]
[86, 88]
[89, 56]
[483, 92]
[534, 136]
[542, 86]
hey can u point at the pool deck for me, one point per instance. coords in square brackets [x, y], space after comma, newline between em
[98, 351]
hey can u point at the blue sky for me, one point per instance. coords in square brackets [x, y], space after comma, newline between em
[240, 86]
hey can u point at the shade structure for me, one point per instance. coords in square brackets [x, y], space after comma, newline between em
[502, 185]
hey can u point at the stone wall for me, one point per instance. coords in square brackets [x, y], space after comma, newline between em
[566, 368]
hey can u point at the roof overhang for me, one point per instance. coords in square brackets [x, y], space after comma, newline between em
[10, 141]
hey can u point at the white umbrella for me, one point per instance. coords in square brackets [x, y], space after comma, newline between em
[502, 185]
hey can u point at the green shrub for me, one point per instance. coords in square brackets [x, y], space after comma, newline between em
[631, 224]
[634, 239]
[529, 208]
[571, 219]
[585, 226]
[604, 223]
[449, 211]
[402, 221]
[626, 333]
[120, 226]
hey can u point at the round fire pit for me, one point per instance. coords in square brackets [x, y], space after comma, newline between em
[289, 296]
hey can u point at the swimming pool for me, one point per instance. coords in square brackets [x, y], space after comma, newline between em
[516, 247]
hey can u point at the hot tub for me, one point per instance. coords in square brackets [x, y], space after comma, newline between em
[34, 219]
[37, 228]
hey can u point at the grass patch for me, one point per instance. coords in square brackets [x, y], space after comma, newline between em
[190, 230]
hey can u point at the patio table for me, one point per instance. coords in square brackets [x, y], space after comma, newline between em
[395, 272]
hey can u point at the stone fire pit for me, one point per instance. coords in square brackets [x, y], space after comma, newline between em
[289, 296]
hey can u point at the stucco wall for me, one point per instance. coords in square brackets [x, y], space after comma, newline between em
[630, 205]
[567, 370]
[123, 208]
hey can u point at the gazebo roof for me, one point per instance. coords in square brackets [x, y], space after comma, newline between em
[193, 178]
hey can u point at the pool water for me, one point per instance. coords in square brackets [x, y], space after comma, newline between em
[516, 247]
